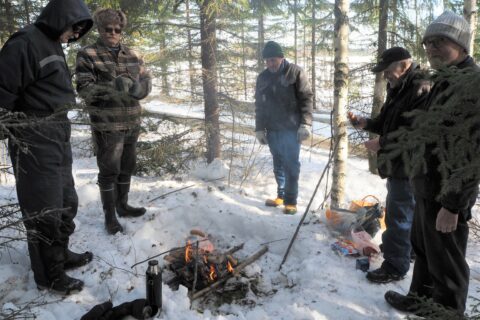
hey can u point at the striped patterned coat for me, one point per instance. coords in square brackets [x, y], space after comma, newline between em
[96, 69]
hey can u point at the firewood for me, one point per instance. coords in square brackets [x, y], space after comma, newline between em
[237, 270]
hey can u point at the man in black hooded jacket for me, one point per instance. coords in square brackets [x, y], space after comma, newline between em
[35, 81]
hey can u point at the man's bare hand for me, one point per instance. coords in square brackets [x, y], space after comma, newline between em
[373, 145]
[357, 122]
[446, 221]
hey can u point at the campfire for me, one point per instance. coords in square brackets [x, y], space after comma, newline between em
[201, 268]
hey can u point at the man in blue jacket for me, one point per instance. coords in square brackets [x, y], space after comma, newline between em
[283, 119]
[35, 83]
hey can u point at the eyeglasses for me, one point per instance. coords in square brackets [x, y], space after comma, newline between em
[436, 42]
[111, 30]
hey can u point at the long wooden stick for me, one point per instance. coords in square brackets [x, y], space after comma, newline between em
[308, 207]
[237, 270]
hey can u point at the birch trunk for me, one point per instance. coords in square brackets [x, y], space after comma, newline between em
[470, 14]
[340, 137]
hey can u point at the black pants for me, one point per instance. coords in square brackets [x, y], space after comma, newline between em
[116, 156]
[440, 270]
[44, 181]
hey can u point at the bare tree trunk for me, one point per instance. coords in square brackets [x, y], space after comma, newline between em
[313, 54]
[295, 35]
[209, 77]
[261, 42]
[244, 62]
[380, 84]
[191, 70]
[340, 156]
[27, 11]
[9, 16]
[394, 10]
[164, 62]
[470, 14]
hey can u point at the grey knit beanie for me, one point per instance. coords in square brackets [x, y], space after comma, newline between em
[451, 26]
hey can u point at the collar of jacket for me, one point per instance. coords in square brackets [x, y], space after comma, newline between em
[103, 47]
[467, 62]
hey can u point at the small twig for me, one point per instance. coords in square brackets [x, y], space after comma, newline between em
[162, 253]
[195, 274]
[177, 190]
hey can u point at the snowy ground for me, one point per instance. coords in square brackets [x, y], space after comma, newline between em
[315, 283]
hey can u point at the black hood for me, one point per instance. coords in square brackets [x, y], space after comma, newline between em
[58, 15]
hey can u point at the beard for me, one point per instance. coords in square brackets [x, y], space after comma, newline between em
[437, 62]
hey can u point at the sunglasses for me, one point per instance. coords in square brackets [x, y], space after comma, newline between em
[436, 42]
[112, 30]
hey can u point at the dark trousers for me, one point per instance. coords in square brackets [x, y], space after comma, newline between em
[285, 150]
[440, 271]
[44, 181]
[399, 217]
[116, 156]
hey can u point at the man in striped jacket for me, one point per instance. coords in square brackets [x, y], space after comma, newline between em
[112, 78]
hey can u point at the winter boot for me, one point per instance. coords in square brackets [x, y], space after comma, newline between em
[75, 260]
[274, 202]
[290, 209]
[405, 303]
[54, 257]
[123, 208]
[381, 275]
[108, 200]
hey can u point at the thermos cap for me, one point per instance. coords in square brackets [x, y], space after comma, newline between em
[153, 262]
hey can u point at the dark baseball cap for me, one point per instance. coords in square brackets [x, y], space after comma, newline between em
[389, 56]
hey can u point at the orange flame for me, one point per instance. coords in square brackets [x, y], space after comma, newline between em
[188, 252]
[229, 267]
[213, 274]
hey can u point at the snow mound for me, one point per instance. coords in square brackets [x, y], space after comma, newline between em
[217, 169]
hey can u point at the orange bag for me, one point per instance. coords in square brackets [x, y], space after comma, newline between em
[357, 204]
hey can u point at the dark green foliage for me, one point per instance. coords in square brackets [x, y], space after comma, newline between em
[450, 130]
[166, 154]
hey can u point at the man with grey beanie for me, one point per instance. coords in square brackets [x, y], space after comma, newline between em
[439, 230]
[283, 119]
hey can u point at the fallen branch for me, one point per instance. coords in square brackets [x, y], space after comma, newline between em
[237, 270]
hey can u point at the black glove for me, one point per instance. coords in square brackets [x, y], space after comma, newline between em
[134, 308]
[97, 312]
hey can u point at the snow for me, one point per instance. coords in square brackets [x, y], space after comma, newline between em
[314, 283]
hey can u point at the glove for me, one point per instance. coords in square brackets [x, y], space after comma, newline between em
[136, 90]
[123, 84]
[303, 132]
[261, 137]
[98, 311]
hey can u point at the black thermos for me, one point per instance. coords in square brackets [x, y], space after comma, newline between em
[154, 286]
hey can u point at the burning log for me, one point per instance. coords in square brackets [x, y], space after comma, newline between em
[235, 272]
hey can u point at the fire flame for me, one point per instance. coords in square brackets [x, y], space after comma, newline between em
[229, 267]
[213, 274]
[188, 252]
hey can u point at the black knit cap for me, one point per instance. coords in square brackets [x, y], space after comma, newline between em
[272, 49]
[389, 56]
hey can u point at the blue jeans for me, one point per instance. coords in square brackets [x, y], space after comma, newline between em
[285, 150]
[399, 217]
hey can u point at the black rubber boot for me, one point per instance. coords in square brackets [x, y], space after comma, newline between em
[75, 260]
[108, 200]
[54, 257]
[123, 209]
